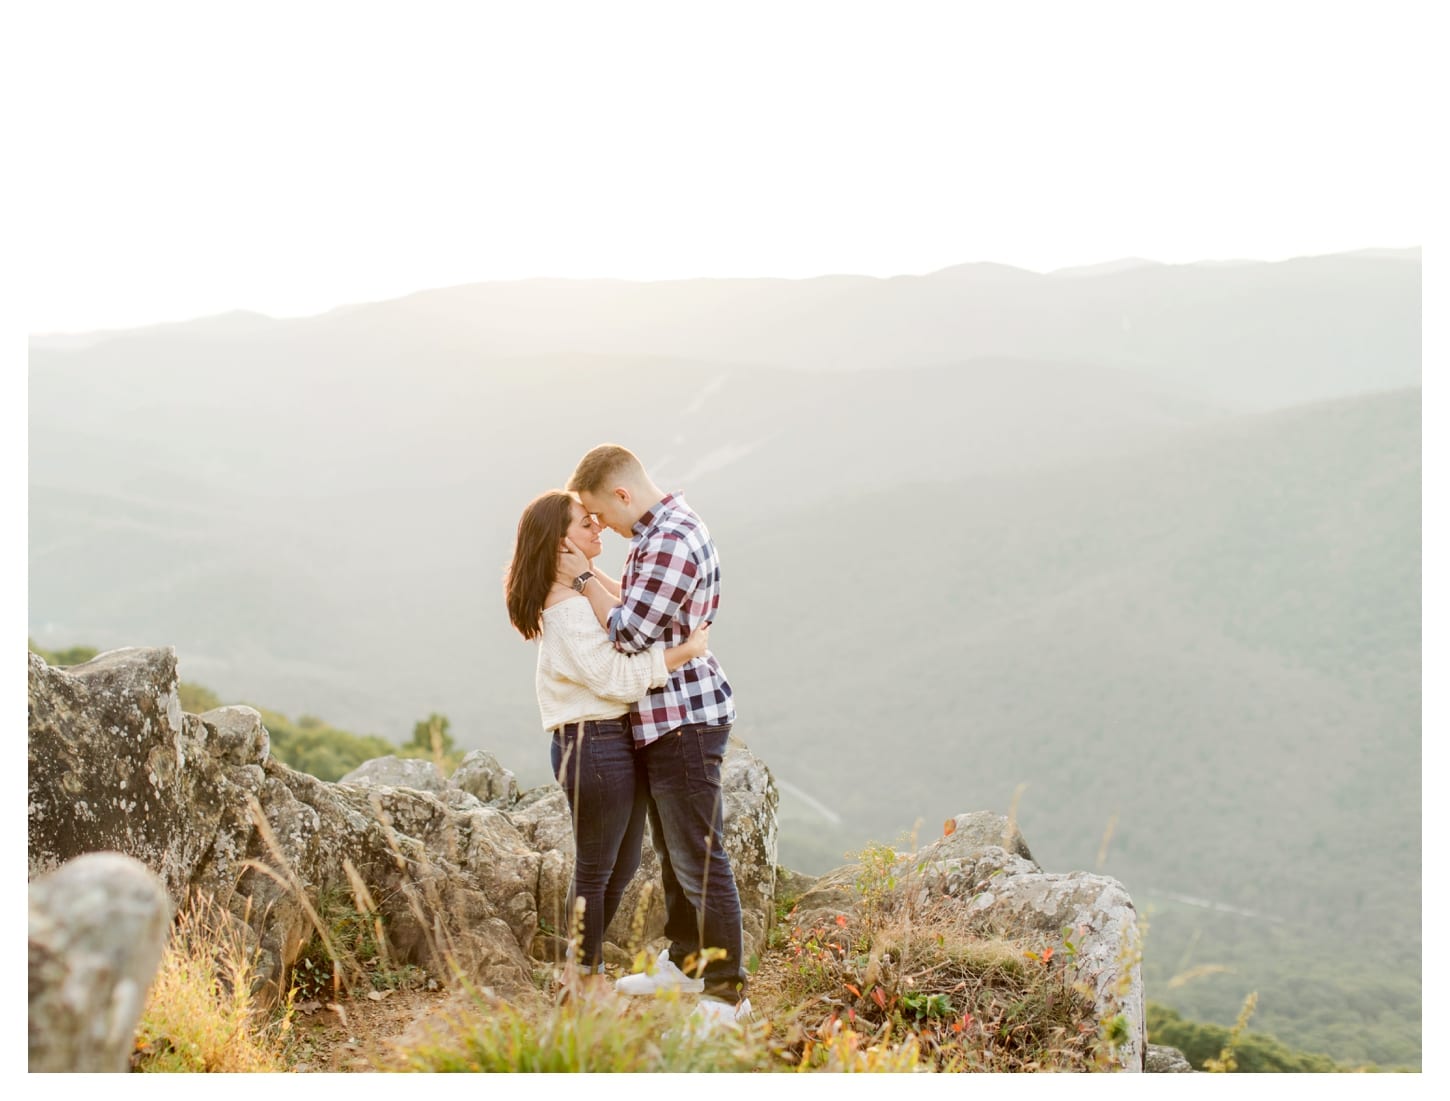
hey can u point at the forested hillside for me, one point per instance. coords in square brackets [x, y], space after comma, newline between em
[1203, 665]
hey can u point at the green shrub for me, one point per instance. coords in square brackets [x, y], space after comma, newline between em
[1253, 1052]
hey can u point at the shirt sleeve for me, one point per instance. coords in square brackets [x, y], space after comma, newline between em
[589, 658]
[664, 576]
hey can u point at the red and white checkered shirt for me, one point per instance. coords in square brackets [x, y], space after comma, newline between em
[671, 585]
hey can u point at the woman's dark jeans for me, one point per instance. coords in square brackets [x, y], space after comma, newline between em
[595, 763]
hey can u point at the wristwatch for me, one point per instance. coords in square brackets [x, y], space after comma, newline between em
[581, 581]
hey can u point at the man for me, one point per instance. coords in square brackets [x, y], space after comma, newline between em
[671, 583]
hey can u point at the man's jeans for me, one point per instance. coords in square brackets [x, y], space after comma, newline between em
[596, 764]
[686, 817]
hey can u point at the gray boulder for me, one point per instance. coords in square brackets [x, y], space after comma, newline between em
[97, 931]
[237, 734]
[751, 839]
[114, 764]
[397, 772]
[1166, 1060]
[485, 779]
[978, 830]
[1000, 888]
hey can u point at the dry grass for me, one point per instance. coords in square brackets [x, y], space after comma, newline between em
[200, 1013]
[918, 996]
[924, 995]
[893, 986]
[591, 1030]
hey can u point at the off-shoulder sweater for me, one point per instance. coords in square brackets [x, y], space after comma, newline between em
[581, 676]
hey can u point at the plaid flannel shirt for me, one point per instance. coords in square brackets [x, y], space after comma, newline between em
[671, 584]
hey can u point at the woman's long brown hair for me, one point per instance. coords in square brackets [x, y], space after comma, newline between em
[536, 558]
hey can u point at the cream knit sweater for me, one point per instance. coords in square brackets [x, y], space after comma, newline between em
[581, 675]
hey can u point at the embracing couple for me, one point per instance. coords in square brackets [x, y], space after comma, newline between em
[640, 713]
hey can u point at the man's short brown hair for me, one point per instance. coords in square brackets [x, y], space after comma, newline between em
[601, 465]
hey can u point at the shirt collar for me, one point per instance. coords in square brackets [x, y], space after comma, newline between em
[650, 518]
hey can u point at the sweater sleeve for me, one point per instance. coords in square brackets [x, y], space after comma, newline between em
[589, 657]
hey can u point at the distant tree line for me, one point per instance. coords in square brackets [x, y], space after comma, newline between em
[1253, 1052]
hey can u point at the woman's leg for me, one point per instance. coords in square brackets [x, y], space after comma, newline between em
[597, 772]
[626, 860]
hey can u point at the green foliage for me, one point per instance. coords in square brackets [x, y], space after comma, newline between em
[197, 700]
[431, 741]
[319, 749]
[875, 881]
[76, 655]
[925, 1006]
[431, 735]
[1204, 1045]
[1360, 1007]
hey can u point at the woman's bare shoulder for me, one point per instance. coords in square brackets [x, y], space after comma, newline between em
[556, 599]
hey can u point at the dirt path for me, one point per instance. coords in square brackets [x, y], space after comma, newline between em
[358, 1034]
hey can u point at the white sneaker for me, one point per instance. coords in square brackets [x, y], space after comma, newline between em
[710, 1015]
[663, 975]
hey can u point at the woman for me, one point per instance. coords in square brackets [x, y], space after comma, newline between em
[584, 689]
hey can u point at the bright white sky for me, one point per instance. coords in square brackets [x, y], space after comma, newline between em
[181, 159]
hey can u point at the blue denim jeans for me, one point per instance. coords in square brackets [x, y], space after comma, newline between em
[596, 765]
[686, 816]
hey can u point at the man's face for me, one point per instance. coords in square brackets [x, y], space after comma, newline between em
[612, 508]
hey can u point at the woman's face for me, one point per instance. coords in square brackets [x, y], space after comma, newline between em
[584, 531]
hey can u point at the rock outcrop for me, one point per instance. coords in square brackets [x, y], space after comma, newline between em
[98, 927]
[116, 764]
[983, 871]
[397, 772]
[485, 779]
[466, 869]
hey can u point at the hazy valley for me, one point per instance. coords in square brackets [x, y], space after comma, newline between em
[1136, 548]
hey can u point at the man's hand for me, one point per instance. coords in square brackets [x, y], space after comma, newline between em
[572, 563]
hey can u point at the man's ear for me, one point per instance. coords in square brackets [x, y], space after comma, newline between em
[622, 492]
